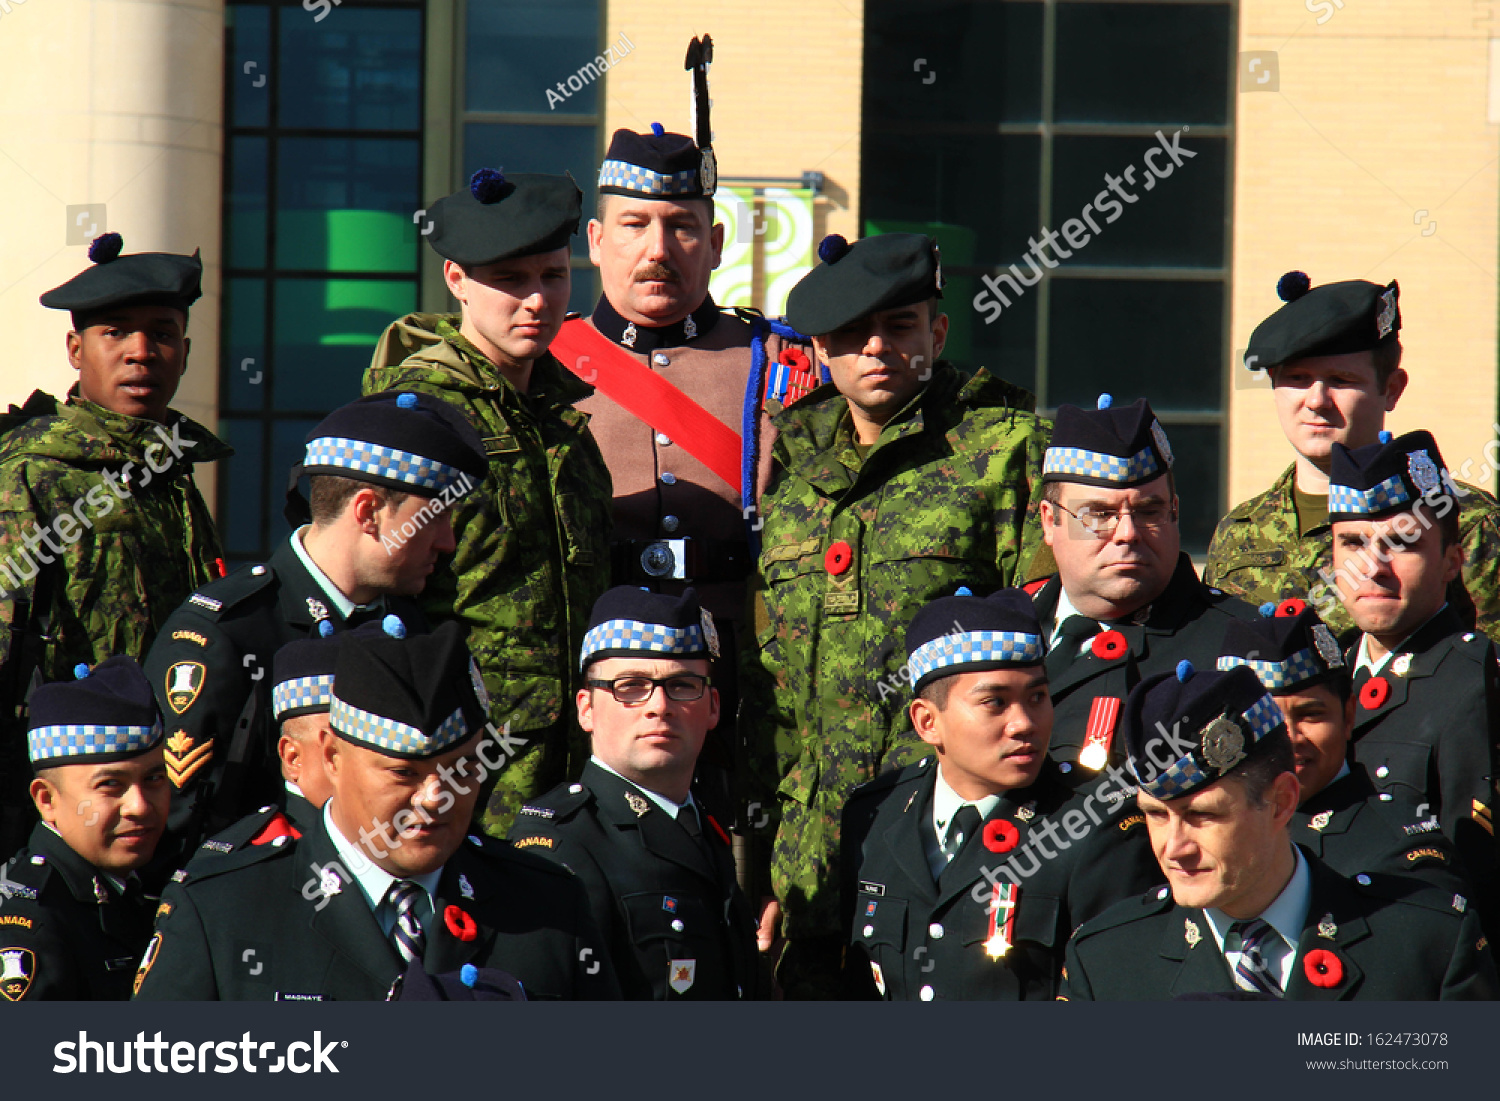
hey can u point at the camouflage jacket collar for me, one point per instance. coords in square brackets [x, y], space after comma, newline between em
[1278, 507]
[551, 386]
[816, 439]
[131, 436]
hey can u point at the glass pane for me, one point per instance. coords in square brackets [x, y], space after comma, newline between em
[952, 61]
[554, 149]
[1006, 345]
[1178, 222]
[360, 70]
[1166, 63]
[245, 205]
[1162, 341]
[325, 331]
[249, 82]
[347, 205]
[585, 290]
[515, 50]
[245, 361]
[288, 445]
[242, 490]
[1197, 460]
[985, 184]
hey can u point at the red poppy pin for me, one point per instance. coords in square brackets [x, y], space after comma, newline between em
[837, 560]
[795, 358]
[1375, 692]
[1000, 836]
[1109, 645]
[1323, 968]
[460, 924]
[1291, 609]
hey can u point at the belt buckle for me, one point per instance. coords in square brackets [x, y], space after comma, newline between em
[665, 558]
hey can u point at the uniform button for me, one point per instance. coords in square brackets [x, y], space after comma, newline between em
[1382, 772]
[1163, 892]
[677, 925]
[668, 478]
[1362, 880]
[922, 763]
[1386, 797]
[935, 931]
[926, 993]
[663, 440]
[1065, 768]
[661, 359]
[669, 522]
[574, 789]
[256, 571]
[869, 930]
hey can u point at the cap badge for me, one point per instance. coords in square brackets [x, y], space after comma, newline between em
[1326, 928]
[637, 804]
[1223, 744]
[1190, 932]
[689, 328]
[1401, 665]
[1424, 472]
[710, 632]
[1328, 649]
[1385, 320]
[1160, 436]
[627, 338]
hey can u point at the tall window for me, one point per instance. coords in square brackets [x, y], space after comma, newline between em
[986, 120]
[322, 175]
[531, 95]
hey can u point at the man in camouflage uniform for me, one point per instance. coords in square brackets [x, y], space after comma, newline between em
[1333, 354]
[895, 485]
[102, 530]
[533, 541]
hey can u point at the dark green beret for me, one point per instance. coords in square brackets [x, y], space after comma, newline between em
[876, 273]
[140, 279]
[1334, 319]
[502, 217]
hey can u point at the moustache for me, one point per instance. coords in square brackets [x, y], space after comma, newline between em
[657, 273]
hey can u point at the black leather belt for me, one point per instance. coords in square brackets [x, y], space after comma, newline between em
[685, 559]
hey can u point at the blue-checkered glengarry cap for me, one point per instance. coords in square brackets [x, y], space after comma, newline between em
[109, 715]
[1182, 735]
[968, 634]
[1286, 652]
[653, 166]
[505, 217]
[412, 442]
[628, 622]
[302, 671]
[1380, 479]
[405, 697]
[1116, 447]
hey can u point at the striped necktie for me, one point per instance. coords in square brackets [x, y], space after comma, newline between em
[410, 941]
[1253, 971]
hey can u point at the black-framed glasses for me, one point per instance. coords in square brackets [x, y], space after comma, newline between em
[1103, 521]
[682, 687]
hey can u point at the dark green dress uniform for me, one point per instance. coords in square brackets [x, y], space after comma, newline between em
[212, 663]
[1353, 829]
[1279, 545]
[529, 917]
[915, 938]
[68, 930]
[533, 541]
[1187, 621]
[284, 917]
[675, 922]
[1370, 938]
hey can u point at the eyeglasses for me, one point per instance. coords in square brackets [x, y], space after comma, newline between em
[1103, 522]
[682, 687]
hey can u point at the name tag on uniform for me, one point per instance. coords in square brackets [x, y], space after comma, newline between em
[876, 889]
[284, 996]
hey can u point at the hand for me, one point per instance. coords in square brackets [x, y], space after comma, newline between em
[770, 924]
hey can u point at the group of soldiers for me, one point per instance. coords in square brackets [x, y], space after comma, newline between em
[676, 652]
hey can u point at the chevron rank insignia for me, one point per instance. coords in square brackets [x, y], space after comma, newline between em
[185, 757]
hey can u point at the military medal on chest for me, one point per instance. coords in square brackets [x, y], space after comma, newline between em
[1104, 714]
[1002, 931]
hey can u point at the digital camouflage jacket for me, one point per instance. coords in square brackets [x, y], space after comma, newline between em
[851, 549]
[533, 543]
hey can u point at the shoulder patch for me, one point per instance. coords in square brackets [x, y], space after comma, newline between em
[1415, 855]
[197, 638]
[16, 919]
[1124, 825]
[532, 842]
[17, 972]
